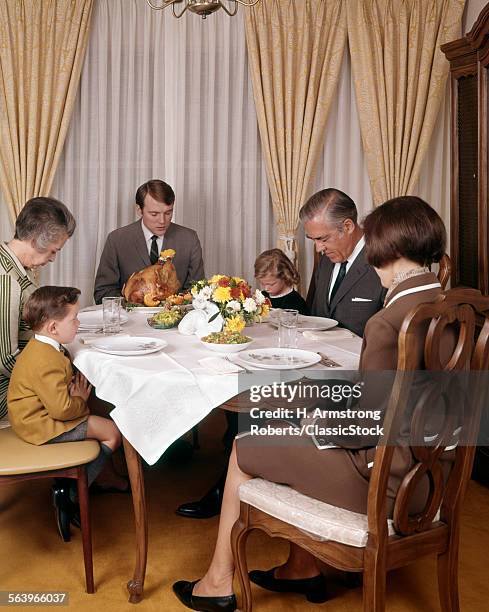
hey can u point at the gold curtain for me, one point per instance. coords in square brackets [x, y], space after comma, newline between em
[295, 50]
[400, 77]
[42, 46]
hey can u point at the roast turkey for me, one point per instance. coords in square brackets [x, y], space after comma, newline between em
[152, 284]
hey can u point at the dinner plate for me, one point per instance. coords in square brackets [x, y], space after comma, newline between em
[279, 358]
[307, 323]
[133, 345]
[94, 319]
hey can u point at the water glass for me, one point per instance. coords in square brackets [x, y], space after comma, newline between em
[287, 329]
[112, 314]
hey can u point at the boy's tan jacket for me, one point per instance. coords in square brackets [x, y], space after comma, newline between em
[39, 404]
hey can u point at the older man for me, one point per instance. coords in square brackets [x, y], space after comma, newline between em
[138, 245]
[347, 288]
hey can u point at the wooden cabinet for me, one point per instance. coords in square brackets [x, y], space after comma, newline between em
[469, 251]
[469, 65]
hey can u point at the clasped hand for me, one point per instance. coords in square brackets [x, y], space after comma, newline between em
[80, 387]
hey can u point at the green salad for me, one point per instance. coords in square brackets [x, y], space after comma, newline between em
[226, 338]
[167, 318]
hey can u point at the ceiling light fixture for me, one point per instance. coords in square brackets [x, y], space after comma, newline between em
[202, 7]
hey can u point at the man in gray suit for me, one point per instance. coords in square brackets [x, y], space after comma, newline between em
[347, 288]
[138, 245]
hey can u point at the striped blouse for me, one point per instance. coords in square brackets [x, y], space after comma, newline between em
[15, 287]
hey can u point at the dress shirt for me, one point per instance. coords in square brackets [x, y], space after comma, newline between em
[354, 254]
[148, 235]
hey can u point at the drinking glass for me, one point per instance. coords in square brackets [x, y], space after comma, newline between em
[112, 314]
[287, 329]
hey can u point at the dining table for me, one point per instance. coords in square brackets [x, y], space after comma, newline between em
[159, 396]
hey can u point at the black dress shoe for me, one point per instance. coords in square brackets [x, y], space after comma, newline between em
[208, 506]
[183, 590]
[74, 512]
[313, 588]
[61, 502]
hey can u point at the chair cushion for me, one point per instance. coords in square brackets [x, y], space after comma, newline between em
[19, 457]
[317, 519]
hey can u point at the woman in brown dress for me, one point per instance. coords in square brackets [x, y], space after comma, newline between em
[403, 237]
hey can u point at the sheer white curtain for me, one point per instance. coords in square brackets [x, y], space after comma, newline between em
[171, 99]
[161, 98]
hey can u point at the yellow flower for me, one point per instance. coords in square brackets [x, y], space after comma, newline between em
[168, 254]
[238, 280]
[194, 291]
[221, 294]
[235, 324]
[215, 278]
[265, 309]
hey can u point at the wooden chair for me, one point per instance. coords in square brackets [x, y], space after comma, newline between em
[22, 461]
[370, 543]
[444, 272]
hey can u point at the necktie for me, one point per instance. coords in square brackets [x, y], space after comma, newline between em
[153, 254]
[339, 280]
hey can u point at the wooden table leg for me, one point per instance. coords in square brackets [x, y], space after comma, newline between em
[134, 468]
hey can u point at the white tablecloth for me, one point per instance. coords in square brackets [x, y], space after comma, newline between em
[159, 397]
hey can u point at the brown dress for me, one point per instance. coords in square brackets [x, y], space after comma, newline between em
[340, 476]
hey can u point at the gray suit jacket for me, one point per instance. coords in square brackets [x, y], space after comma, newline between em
[125, 252]
[361, 281]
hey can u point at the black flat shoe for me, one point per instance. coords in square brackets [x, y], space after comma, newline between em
[61, 503]
[183, 590]
[207, 507]
[313, 588]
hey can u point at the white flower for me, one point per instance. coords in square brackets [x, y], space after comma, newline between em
[233, 306]
[205, 293]
[249, 305]
[199, 303]
[259, 297]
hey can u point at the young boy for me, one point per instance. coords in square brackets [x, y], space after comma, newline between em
[46, 403]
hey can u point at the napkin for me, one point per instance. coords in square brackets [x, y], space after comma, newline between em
[219, 365]
[197, 322]
[191, 321]
[331, 335]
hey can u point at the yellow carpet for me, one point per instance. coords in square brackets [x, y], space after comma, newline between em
[35, 559]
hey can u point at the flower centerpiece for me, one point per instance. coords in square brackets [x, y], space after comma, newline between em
[237, 303]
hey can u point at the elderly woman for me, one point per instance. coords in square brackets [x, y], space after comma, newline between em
[403, 237]
[41, 230]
